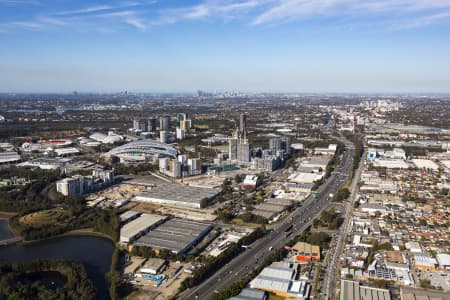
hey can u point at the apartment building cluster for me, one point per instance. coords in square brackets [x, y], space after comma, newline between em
[148, 128]
[180, 166]
[80, 185]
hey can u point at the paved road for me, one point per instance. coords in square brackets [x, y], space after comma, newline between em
[300, 219]
[333, 271]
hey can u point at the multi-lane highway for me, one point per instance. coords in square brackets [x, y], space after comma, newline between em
[300, 219]
[335, 252]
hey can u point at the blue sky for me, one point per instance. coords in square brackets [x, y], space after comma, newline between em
[243, 45]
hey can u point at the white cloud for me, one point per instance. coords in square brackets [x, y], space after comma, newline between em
[288, 10]
[138, 23]
[86, 10]
[386, 14]
[19, 2]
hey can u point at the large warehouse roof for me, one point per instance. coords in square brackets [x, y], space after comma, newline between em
[177, 194]
[176, 235]
[352, 290]
[274, 278]
[129, 230]
[144, 147]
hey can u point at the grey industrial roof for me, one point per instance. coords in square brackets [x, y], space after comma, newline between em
[178, 192]
[175, 235]
[352, 290]
[140, 224]
[127, 215]
[408, 293]
[273, 277]
[154, 263]
[250, 294]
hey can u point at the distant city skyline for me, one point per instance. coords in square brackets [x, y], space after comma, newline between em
[297, 46]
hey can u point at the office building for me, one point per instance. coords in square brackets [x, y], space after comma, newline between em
[280, 145]
[138, 125]
[286, 144]
[275, 144]
[232, 147]
[164, 123]
[182, 117]
[163, 136]
[243, 152]
[151, 125]
[181, 133]
[243, 125]
[79, 185]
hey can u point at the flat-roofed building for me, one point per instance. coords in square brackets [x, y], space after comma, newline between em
[9, 157]
[306, 252]
[353, 290]
[407, 293]
[250, 294]
[278, 279]
[444, 261]
[390, 163]
[66, 151]
[153, 266]
[176, 235]
[424, 261]
[44, 163]
[128, 216]
[178, 195]
[425, 164]
[139, 226]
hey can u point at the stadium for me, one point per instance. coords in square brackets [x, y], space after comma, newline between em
[141, 149]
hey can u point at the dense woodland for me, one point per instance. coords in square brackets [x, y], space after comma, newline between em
[15, 281]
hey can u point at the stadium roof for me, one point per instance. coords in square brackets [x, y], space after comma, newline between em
[144, 147]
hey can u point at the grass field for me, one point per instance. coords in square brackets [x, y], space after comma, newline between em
[56, 216]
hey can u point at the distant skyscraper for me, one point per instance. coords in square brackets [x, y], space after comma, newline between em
[136, 124]
[286, 144]
[275, 145]
[182, 117]
[243, 152]
[243, 125]
[163, 136]
[181, 133]
[152, 125]
[232, 147]
[164, 123]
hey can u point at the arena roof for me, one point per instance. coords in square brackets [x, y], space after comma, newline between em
[144, 147]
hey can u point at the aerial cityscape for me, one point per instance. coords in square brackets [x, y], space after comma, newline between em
[233, 149]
